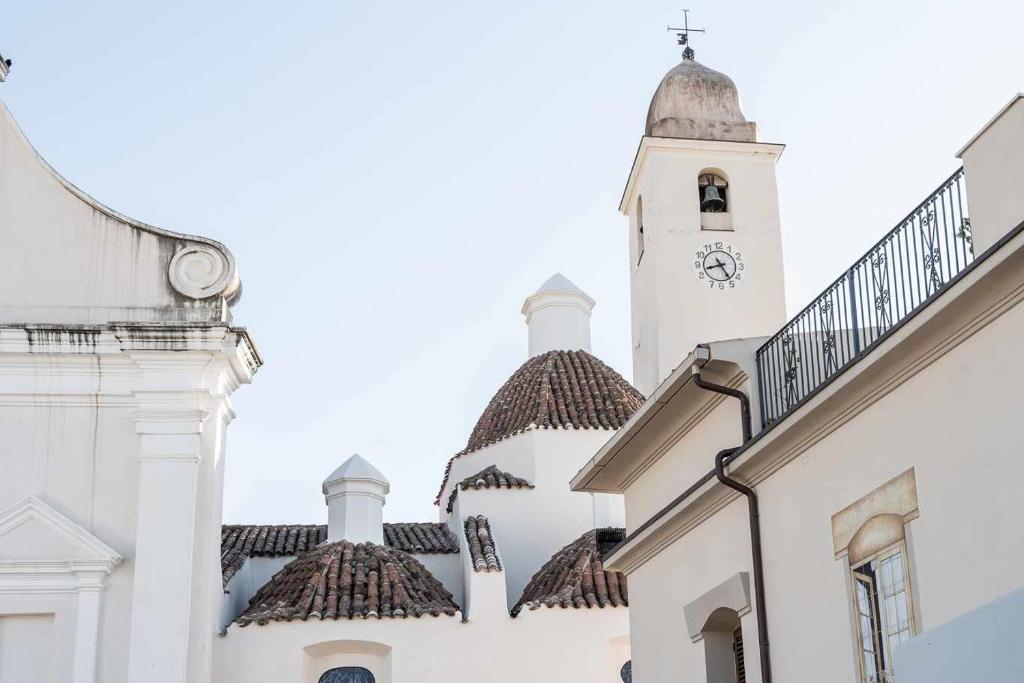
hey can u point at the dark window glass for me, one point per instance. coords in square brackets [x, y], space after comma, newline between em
[347, 674]
[626, 672]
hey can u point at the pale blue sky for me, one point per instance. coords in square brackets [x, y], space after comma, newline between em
[394, 178]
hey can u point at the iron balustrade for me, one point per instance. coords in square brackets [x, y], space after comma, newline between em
[901, 273]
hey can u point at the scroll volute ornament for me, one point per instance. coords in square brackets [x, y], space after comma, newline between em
[200, 271]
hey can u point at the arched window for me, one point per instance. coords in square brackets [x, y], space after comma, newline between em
[714, 192]
[640, 242]
[626, 672]
[347, 674]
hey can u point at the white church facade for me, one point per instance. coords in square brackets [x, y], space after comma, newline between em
[832, 497]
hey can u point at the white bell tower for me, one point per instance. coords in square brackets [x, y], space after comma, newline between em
[705, 243]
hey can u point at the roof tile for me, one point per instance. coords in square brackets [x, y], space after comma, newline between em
[239, 542]
[487, 478]
[575, 576]
[481, 545]
[558, 390]
[349, 581]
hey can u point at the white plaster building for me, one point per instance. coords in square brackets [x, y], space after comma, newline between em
[833, 498]
[118, 358]
[513, 564]
[838, 492]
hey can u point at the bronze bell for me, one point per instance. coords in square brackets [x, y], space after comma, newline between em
[712, 202]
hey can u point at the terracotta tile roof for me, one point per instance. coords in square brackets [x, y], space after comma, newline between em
[575, 576]
[349, 581]
[421, 537]
[489, 478]
[559, 390]
[481, 545]
[239, 542]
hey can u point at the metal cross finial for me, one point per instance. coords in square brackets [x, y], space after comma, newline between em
[683, 34]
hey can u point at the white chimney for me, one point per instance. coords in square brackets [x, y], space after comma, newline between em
[558, 316]
[355, 502]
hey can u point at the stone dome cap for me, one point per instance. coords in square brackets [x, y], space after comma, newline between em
[696, 102]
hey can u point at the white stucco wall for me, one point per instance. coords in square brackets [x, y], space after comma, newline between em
[982, 645]
[68, 259]
[550, 644]
[529, 525]
[672, 309]
[117, 427]
[954, 422]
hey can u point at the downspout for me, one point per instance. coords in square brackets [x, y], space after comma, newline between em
[755, 524]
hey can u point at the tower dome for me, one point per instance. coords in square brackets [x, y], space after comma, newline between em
[696, 102]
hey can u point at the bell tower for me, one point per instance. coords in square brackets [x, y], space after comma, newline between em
[705, 252]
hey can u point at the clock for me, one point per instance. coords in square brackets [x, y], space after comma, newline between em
[719, 265]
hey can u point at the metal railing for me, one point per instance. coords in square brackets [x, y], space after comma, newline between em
[902, 272]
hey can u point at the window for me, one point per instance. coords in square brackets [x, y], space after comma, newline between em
[639, 229]
[713, 191]
[882, 603]
[737, 653]
[347, 674]
[626, 672]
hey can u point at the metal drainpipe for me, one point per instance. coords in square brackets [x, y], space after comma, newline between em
[755, 519]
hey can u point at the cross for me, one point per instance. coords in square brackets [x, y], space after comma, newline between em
[683, 34]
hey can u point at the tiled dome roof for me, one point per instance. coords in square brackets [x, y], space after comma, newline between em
[557, 389]
[567, 389]
[575, 576]
[347, 581]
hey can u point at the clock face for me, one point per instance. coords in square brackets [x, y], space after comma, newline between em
[719, 264]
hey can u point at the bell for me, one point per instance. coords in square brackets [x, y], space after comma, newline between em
[712, 202]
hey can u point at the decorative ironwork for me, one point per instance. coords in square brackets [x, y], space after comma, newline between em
[347, 674]
[683, 35]
[899, 274]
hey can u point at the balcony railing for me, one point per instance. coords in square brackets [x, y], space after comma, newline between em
[897, 276]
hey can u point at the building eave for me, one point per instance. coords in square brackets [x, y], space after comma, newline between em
[978, 295]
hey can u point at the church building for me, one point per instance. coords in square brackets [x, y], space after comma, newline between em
[831, 496]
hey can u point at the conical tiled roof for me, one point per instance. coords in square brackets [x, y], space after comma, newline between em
[575, 576]
[347, 581]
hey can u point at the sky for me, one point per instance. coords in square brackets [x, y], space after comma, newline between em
[395, 178]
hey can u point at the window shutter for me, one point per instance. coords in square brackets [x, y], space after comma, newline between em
[737, 648]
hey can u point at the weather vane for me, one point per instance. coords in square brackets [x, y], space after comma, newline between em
[683, 34]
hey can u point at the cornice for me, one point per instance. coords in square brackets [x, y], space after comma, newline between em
[980, 297]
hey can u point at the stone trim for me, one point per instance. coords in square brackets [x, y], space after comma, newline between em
[871, 521]
[733, 593]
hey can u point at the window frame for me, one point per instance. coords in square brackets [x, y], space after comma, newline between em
[641, 241]
[881, 638]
